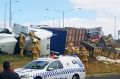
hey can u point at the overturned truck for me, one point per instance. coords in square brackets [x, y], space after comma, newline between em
[9, 44]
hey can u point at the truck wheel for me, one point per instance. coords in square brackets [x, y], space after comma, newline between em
[75, 76]
[38, 77]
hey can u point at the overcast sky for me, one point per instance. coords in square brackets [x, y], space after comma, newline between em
[93, 13]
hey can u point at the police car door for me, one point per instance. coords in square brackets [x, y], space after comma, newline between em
[54, 70]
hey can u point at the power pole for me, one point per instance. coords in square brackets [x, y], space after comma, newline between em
[10, 15]
[115, 28]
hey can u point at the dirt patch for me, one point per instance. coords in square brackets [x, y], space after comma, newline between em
[97, 67]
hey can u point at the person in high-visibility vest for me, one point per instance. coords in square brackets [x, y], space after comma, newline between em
[84, 56]
[39, 48]
[35, 48]
[21, 43]
[70, 48]
[32, 35]
[76, 50]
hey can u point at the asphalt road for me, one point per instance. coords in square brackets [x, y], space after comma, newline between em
[106, 76]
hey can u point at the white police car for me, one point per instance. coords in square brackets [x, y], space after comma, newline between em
[63, 67]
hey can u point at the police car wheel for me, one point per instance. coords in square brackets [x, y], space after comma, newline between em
[75, 76]
[38, 77]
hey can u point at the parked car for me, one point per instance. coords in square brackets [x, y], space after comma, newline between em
[60, 67]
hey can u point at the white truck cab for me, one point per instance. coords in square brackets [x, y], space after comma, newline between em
[61, 67]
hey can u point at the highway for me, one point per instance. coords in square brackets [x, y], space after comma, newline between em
[110, 76]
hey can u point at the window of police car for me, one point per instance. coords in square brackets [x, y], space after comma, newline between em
[55, 65]
[37, 65]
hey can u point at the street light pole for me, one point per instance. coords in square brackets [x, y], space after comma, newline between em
[115, 27]
[59, 23]
[118, 34]
[5, 16]
[52, 20]
[14, 13]
[10, 13]
[63, 13]
[10, 20]
[63, 19]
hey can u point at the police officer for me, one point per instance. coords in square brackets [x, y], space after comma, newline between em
[35, 48]
[84, 56]
[21, 43]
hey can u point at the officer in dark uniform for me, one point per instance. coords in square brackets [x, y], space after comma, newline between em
[8, 72]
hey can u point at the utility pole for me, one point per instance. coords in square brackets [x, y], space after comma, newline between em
[59, 23]
[53, 22]
[5, 17]
[118, 34]
[63, 13]
[115, 28]
[10, 15]
[63, 19]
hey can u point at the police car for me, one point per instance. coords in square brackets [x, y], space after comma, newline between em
[61, 67]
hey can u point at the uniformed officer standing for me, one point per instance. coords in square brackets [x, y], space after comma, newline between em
[22, 43]
[84, 56]
[35, 48]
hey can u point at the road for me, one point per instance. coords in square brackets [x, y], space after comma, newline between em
[110, 76]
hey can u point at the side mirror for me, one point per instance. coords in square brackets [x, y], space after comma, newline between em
[50, 69]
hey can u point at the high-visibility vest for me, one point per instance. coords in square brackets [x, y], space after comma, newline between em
[22, 42]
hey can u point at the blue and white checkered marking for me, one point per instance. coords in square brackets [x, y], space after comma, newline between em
[59, 72]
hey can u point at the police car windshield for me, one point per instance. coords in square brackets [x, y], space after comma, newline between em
[37, 65]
